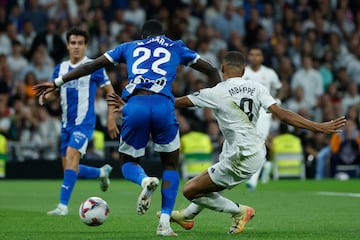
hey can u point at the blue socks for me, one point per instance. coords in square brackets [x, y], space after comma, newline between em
[133, 172]
[88, 172]
[170, 185]
[67, 186]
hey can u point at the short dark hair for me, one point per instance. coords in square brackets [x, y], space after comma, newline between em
[78, 32]
[234, 58]
[151, 28]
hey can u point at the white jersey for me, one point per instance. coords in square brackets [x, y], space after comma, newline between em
[265, 76]
[269, 79]
[236, 104]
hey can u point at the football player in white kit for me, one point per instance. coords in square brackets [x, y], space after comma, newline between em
[257, 72]
[236, 103]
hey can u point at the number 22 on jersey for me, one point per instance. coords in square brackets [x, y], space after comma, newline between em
[143, 54]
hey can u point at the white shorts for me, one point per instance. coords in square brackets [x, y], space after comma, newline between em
[229, 172]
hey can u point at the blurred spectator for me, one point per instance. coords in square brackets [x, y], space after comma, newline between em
[30, 80]
[310, 79]
[343, 146]
[351, 97]
[41, 65]
[118, 23]
[135, 13]
[153, 9]
[205, 52]
[326, 69]
[5, 71]
[342, 25]
[339, 51]
[5, 42]
[249, 5]
[353, 113]
[213, 11]
[229, 22]
[36, 15]
[297, 101]
[353, 62]
[49, 131]
[16, 61]
[52, 41]
[27, 36]
[267, 19]
[342, 80]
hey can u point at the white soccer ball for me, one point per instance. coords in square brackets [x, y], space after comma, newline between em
[94, 211]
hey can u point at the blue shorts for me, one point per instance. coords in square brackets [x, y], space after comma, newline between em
[76, 137]
[145, 115]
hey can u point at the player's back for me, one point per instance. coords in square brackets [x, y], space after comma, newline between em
[237, 103]
[152, 62]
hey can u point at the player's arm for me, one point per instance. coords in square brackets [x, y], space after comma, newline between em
[111, 121]
[183, 102]
[296, 120]
[206, 68]
[86, 68]
[82, 70]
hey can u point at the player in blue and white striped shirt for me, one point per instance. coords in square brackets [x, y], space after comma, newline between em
[79, 118]
[149, 110]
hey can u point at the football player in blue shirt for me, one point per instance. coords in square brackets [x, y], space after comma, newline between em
[149, 110]
[79, 118]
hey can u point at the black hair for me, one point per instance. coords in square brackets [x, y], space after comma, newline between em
[151, 28]
[78, 32]
[234, 58]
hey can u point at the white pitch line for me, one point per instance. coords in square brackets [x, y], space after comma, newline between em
[339, 194]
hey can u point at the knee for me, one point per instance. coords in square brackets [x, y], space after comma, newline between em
[188, 191]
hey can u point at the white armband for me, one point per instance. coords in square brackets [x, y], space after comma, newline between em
[59, 81]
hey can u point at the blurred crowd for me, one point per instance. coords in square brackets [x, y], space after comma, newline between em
[313, 45]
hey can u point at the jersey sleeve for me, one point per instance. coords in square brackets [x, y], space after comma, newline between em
[204, 98]
[187, 56]
[265, 98]
[116, 55]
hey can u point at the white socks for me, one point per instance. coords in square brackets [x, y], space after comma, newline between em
[217, 202]
[192, 210]
[164, 219]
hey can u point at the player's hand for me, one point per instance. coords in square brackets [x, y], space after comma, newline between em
[113, 129]
[42, 89]
[115, 101]
[333, 126]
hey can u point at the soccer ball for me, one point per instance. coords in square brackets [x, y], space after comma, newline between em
[94, 211]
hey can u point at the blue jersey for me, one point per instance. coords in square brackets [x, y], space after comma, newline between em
[78, 96]
[152, 63]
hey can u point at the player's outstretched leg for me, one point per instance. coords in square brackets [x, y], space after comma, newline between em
[67, 186]
[149, 185]
[104, 177]
[241, 219]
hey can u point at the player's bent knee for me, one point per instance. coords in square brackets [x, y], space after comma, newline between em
[189, 191]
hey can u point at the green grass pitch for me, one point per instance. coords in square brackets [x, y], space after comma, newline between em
[285, 209]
